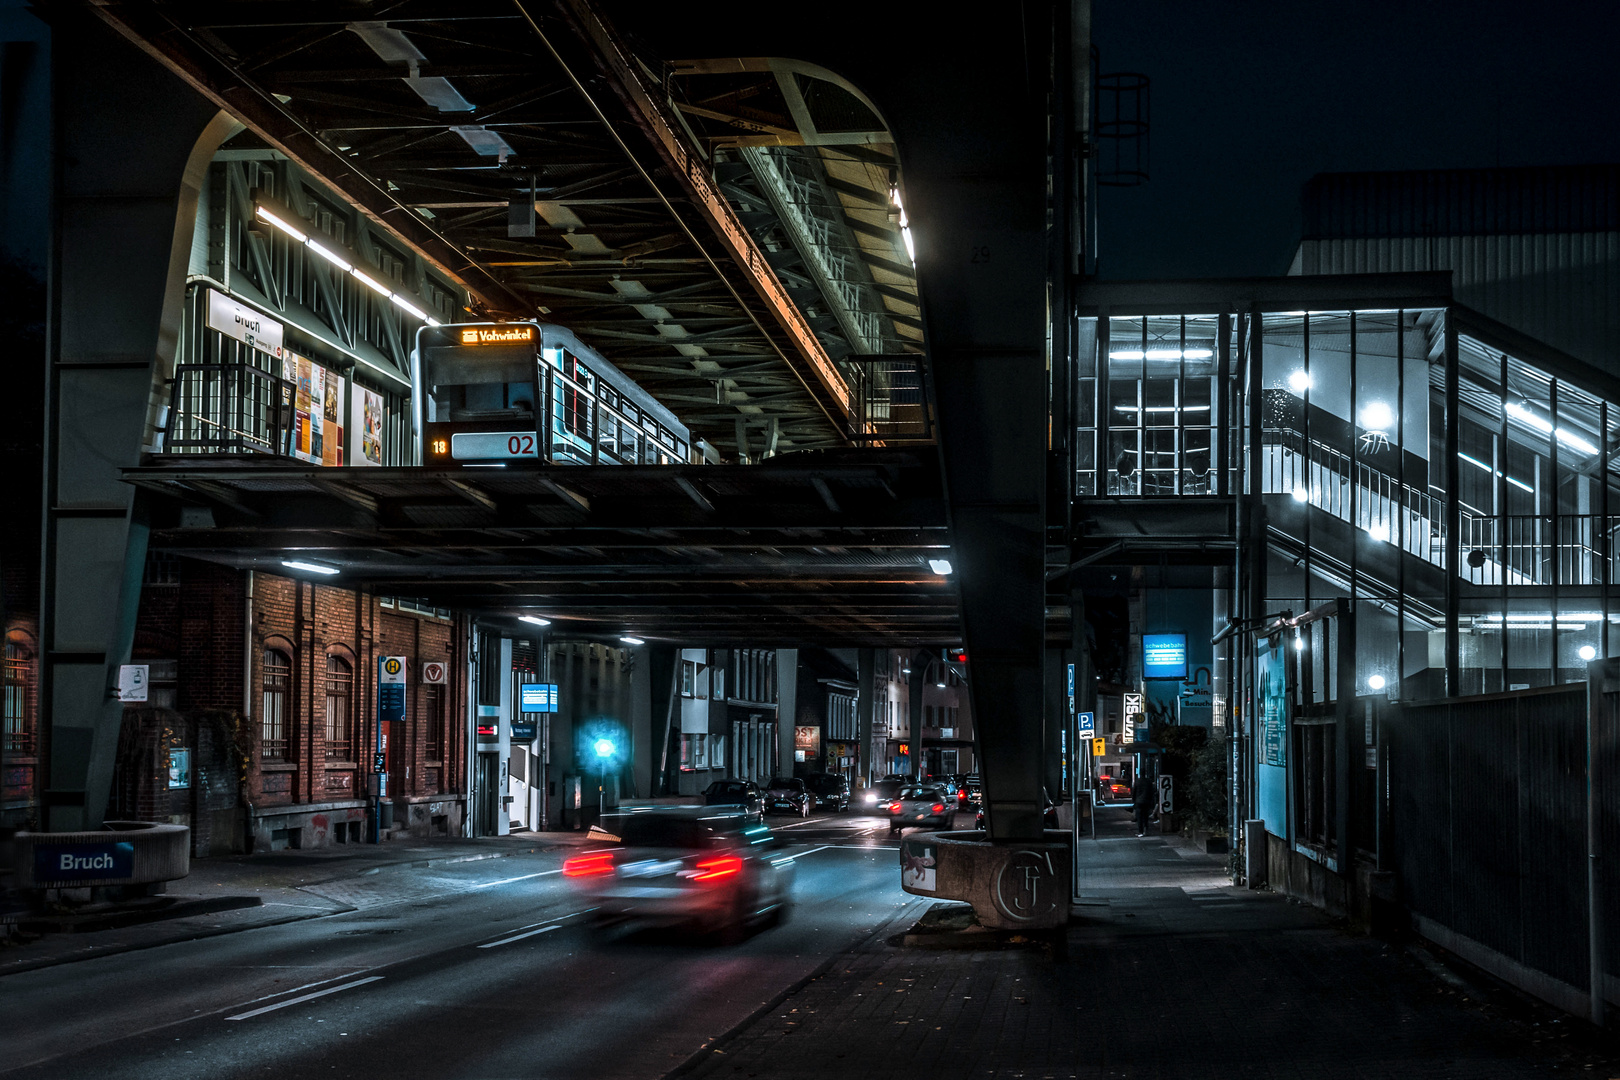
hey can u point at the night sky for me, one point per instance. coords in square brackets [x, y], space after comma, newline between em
[1249, 100]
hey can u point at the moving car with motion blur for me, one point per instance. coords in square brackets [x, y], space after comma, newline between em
[830, 789]
[921, 806]
[881, 794]
[790, 794]
[743, 793]
[714, 870]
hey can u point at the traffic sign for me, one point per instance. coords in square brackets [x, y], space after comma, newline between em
[1099, 747]
[434, 673]
[391, 688]
[132, 681]
[1088, 725]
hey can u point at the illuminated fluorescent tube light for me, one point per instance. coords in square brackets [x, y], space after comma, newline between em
[313, 568]
[628, 640]
[942, 567]
[537, 620]
[1161, 354]
[1543, 425]
[1481, 465]
[375, 285]
[330, 256]
[405, 305]
[267, 216]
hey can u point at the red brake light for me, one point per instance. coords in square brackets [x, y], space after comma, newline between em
[961, 796]
[597, 862]
[716, 868]
[939, 808]
[894, 808]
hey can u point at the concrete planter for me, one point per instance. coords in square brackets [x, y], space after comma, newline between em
[119, 853]
[1018, 885]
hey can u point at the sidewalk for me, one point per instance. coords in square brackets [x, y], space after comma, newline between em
[241, 892]
[1170, 972]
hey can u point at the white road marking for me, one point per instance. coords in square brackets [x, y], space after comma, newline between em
[306, 986]
[841, 847]
[520, 937]
[520, 877]
[802, 824]
[306, 997]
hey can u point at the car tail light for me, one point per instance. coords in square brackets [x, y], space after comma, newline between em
[723, 866]
[894, 808]
[961, 796]
[938, 808]
[597, 862]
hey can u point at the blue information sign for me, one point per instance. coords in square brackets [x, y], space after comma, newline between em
[391, 689]
[538, 697]
[1088, 725]
[83, 862]
[1164, 656]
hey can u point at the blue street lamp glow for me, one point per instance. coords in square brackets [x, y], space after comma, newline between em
[604, 748]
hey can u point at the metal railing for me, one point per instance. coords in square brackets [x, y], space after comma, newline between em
[891, 399]
[1539, 549]
[228, 408]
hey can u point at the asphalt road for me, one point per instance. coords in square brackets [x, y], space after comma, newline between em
[492, 977]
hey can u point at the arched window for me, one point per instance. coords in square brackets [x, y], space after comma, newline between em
[21, 724]
[276, 715]
[339, 715]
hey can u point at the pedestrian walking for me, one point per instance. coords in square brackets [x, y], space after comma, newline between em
[1143, 798]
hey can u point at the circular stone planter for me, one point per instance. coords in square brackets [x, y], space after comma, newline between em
[119, 853]
[1012, 885]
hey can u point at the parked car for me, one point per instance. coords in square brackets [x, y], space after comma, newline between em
[788, 793]
[830, 790]
[922, 806]
[743, 793]
[713, 870]
[881, 794]
[1049, 819]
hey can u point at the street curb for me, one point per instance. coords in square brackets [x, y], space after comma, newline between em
[713, 1046]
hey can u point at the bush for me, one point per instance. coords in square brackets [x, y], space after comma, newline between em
[1198, 765]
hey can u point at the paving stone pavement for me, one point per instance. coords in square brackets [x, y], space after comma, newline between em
[1169, 972]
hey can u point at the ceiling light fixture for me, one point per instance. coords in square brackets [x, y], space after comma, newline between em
[942, 567]
[537, 620]
[628, 640]
[313, 568]
[1543, 425]
[404, 303]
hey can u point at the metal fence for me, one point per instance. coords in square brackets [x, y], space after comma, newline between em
[1488, 832]
[228, 408]
[892, 399]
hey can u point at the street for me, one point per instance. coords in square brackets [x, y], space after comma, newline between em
[496, 978]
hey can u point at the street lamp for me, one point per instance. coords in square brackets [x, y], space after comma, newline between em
[604, 753]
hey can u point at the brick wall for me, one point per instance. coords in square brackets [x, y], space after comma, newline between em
[216, 615]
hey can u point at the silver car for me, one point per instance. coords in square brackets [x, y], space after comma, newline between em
[714, 869]
[922, 806]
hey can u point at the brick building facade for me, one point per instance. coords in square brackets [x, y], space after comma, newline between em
[269, 685]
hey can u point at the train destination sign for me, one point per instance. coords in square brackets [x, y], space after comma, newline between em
[515, 334]
[493, 445]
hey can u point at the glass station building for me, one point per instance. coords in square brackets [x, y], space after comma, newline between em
[1307, 439]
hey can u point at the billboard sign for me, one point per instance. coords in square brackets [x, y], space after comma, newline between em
[1164, 656]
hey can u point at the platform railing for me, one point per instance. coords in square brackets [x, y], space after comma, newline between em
[228, 409]
[892, 399]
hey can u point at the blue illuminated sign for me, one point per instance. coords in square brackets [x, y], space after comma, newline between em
[1164, 656]
[538, 697]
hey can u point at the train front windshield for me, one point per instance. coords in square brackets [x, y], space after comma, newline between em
[481, 393]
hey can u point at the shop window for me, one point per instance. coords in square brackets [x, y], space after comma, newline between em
[275, 715]
[19, 700]
[700, 751]
[688, 678]
[339, 714]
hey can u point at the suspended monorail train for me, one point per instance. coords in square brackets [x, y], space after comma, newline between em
[520, 394]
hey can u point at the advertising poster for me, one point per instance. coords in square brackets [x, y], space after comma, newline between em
[1271, 702]
[317, 410]
[366, 422]
[332, 448]
[917, 863]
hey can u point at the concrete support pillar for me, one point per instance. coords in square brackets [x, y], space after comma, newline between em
[914, 711]
[125, 185]
[865, 713]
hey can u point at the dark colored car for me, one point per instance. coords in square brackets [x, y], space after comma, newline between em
[968, 795]
[714, 870]
[788, 793]
[830, 790]
[1049, 820]
[743, 793]
[880, 794]
[921, 806]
